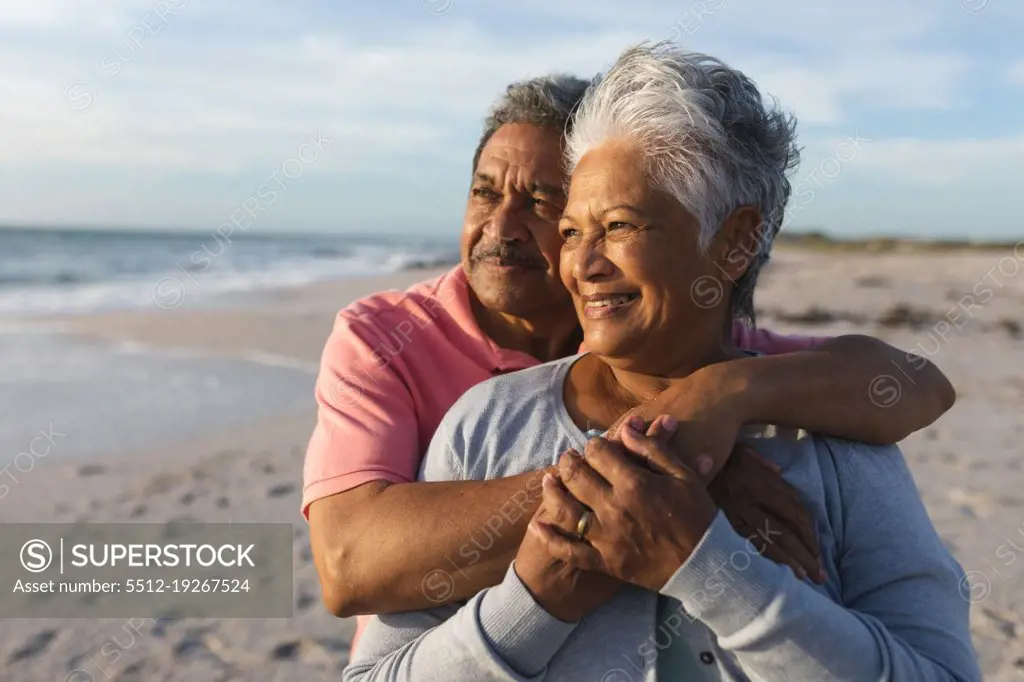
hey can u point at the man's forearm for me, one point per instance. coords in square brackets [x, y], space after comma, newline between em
[852, 387]
[417, 545]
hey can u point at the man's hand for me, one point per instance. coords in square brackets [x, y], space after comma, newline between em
[708, 422]
[765, 509]
[563, 590]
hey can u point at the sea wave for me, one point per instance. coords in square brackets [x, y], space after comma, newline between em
[81, 275]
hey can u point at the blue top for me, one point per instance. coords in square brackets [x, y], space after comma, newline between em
[891, 609]
[675, 660]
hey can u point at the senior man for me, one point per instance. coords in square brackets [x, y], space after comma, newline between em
[396, 362]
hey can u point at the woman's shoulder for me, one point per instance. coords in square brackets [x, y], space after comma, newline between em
[848, 462]
[500, 421]
[509, 393]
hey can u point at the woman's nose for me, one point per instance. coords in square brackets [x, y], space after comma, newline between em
[590, 263]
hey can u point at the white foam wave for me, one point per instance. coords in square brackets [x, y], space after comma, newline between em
[175, 286]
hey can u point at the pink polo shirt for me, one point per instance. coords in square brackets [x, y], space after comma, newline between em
[393, 365]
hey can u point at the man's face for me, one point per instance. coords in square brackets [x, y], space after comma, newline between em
[510, 241]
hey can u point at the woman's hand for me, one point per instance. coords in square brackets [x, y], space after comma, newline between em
[645, 520]
[562, 589]
[758, 502]
[650, 526]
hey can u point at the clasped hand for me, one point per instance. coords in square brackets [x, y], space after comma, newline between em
[648, 512]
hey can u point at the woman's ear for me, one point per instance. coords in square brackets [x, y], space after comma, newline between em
[738, 242]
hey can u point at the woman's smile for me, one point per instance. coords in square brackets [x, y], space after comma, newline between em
[601, 306]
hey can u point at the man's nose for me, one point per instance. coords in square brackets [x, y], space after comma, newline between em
[506, 225]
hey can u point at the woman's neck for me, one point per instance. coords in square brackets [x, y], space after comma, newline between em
[599, 390]
[643, 383]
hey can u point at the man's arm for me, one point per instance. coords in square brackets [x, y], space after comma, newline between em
[367, 521]
[383, 548]
[853, 387]
[368, 541]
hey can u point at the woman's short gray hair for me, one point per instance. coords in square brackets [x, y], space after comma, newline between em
[545, 102]
[708, 137]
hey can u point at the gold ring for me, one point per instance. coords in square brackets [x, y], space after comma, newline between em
[584, 523]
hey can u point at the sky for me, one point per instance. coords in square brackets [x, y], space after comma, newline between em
[363, 116]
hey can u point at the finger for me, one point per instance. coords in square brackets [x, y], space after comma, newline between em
[610, 461]
[797, 540]
[662, 428]
[613, 430]
[581, 480]
[787, 549]
[779, 556]
[775, 534]
[564, 511]
[656, 454]
[770, 550]
[783, 506]
[575, 553]
[743, 449]
[773, 494]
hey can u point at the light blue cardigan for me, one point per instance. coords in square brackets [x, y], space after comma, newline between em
[891, 609]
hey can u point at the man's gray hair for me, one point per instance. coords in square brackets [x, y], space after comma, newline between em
[545, 102]
[707, 136]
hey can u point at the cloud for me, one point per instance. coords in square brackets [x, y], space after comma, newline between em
[114, 88]
[943, 163]
[1015, 73]
[170, 102]
[829, 91]
[164, 98]
[54, 14]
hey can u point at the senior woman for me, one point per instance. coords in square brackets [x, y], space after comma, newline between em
[628, 571]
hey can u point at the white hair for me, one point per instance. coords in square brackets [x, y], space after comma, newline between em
[707, 138]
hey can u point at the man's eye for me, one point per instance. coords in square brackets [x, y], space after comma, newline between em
[618, 225]
[549, 207]
[569, 232]
[485, 194]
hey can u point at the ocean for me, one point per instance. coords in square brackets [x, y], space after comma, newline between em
[105, 398]
[48, 271]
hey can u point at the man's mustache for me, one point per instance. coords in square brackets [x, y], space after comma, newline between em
[507, 253]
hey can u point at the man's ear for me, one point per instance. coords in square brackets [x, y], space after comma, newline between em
[738, 242]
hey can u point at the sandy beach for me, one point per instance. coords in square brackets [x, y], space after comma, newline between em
[969, 466]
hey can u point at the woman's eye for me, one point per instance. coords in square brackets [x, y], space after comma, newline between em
[569, 232]
[619, 226]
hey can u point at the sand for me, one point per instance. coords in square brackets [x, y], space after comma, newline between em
[968, 465]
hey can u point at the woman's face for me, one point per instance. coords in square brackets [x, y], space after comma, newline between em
[643, 291]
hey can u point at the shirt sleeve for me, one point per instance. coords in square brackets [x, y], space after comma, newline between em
[501, 634]
[770, 343]
[366, 426]
[902, 616]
